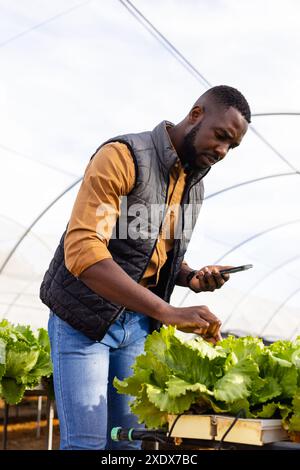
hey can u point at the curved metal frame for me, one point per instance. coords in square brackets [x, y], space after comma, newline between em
[279, 308]
[43, 23]
[295, 330]
[276, 268]
[21, 306]
[38, 162]
[253, 237]
[35, 222]
[255, 180]
[259, 234]
[164, 42]
[17, 296]
[283, 113]
[34, 235]
[267, 143]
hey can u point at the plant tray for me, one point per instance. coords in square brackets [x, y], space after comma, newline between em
[245, 431]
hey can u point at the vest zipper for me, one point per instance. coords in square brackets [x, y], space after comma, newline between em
[187, 190]
[121, 310]
[160, 227]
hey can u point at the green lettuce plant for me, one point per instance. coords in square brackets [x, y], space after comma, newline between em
[174, 376]
[24, 360]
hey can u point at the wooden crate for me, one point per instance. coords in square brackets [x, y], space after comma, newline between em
[245, 431]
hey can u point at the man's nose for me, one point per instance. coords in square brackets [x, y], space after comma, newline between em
[222, 150]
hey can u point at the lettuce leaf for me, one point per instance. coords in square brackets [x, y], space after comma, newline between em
[176, 376]
[147, 412]
[24, 360]
[164, 402]
[236, 382]
[294, 422]
[11, 391]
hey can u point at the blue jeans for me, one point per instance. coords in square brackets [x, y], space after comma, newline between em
[88, 406]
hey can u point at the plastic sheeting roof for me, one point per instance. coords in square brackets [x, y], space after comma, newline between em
[76, 73]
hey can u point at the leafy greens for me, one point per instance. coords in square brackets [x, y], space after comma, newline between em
[24, 360]
[174, 376]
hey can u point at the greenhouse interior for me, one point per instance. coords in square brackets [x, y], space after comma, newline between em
[75, 74]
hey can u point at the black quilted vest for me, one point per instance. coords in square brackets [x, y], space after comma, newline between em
[69, 297]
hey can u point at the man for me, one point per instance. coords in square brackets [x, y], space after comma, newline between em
[118, 251]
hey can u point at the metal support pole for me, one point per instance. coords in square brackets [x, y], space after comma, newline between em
[50, 416]
[5, 424]
[38, 418]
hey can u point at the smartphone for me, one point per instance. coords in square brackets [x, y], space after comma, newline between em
[236, 269]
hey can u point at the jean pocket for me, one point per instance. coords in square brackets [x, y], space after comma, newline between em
[134, 317]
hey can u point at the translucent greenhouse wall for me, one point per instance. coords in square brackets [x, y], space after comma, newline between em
[75, 74]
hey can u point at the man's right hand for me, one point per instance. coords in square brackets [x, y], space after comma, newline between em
[108, 279]
[198, 319]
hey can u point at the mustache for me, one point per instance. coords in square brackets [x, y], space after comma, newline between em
[212, 156]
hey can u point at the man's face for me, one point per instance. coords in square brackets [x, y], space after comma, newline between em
[213, 136]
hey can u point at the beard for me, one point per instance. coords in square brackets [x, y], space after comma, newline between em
[188, 151]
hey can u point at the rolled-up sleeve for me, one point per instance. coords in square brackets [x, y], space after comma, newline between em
[109, 176]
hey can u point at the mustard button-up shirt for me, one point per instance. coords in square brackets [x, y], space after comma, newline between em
[109, 176]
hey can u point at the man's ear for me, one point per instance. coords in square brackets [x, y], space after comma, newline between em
[196, 114]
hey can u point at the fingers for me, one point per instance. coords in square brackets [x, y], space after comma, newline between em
[213, 333]
[201, 331]
[197, 319]
[210, 278]
[207, 315]
[193, 329]
[214, 328]
[214, 323]
[219, 278]
[197, 324]
[218, 336]
[224, 276]
[209, 338]
[205, 328]
[202, 285]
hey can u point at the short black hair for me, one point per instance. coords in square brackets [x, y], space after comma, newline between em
[228, 96]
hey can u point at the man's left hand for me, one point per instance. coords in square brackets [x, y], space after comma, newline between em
[209, 278]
